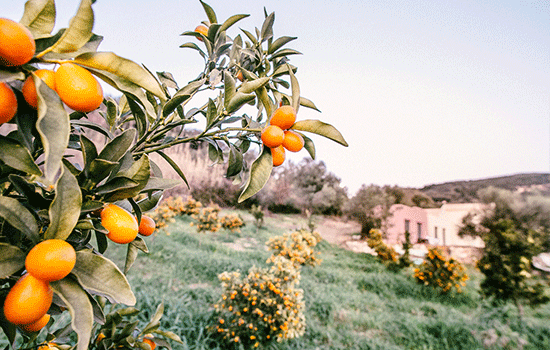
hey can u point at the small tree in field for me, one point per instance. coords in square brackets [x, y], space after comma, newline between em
[513, 231]
[61, 189]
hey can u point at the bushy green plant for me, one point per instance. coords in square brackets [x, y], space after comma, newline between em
[262, 307]
[207, 219]
[387, 255]
[441, 273]
[172, 207]
[232, 222]
[295, 246]
[258, 214]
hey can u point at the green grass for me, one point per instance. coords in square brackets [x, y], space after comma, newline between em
[352, 301]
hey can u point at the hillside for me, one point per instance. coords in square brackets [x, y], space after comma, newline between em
[466, 191]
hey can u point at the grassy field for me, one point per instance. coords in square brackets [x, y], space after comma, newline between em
[352, 301]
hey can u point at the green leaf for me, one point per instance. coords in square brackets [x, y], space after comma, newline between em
[170, 335]
[182, 96]
[12, 259]
[6, 76]
[295, 91]
[65, 208]
[117, 148]
[267, 27]
[79, 31]
[112, 111]
[140, 171]
[90, 46]
[174, 166]
[39, 17]
[131, 255]
[93, 126]
[284, 52]
[320, 128]
[209, 12]
[250, 36]
[235, 162]
[266, 101]
[260, 171]
[17, 215]
[124, 68]
[229, 87]
[308, 145]
[89, 152]
[239, 100]
[116, 184]
[253, 85]
[101, 276]
[17, 156]
[80, 308]
[157, 183]
[150, 202]
[54, 127]
[280, 42]
[230, 21]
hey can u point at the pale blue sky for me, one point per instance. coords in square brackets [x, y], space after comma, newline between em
[423, 91]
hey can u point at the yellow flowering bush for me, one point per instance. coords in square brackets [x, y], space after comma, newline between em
[295, 246]
[232, 222]
[441, 273]
[385, 253]
[207, 219]
[172, 207]
[262, 307]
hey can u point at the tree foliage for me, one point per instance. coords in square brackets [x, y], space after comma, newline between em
[514, 230]
[54, 178]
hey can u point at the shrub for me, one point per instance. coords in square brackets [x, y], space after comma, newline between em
[207, 219]
[232, 222]
[262, 307]
[295, 246]
[385, 253]
[258, 214]
[175, 206]
[441, 273]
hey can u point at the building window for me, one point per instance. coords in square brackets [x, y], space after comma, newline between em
[419, 225]
[435, 232]
[407, 226]
[443, 232]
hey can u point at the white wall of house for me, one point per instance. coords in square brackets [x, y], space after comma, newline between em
[444, 224]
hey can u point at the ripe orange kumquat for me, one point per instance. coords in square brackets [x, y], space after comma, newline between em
[122, 226]
[29, 88]
[272, 136]
[51, 260]
[148, 339]
[284, 117]
[78, 88]
[278, 155]
[201, 29]
[28, 300]
[38, 325]
[17, 45]
[8, 103]
[293, 141]
[146, 226]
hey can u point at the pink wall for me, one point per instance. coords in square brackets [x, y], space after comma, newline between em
[396, 225]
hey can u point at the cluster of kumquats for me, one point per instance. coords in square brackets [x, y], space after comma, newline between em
[385, 253]
[28, 301]
[75, 85]
[441, 273]
[295, 246]
[277, 136]
[262, 307]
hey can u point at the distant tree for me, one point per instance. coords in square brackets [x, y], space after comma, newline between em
[514, 230]
[370, 207]
[421, 200]
[396, 192]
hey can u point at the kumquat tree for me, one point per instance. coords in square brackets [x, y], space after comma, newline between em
[64, 199]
